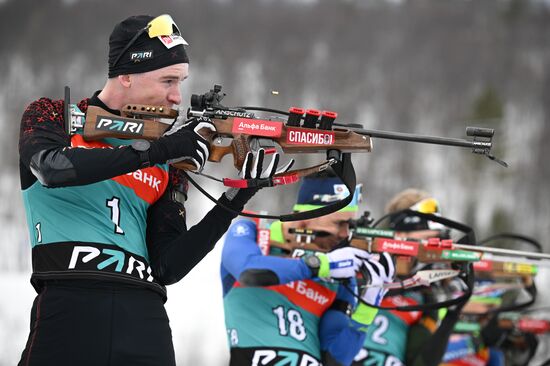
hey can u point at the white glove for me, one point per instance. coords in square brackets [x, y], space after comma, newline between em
[253, 166]
[345, 262]
[380, 271]
[253, 169]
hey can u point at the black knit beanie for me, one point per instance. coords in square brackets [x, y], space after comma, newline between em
[145, 54]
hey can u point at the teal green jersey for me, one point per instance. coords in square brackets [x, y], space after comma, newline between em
[96, 229]
[283, 318]
[386, 340]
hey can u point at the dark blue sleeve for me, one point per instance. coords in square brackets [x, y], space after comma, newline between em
[241, 253]
[496, 357]
[340, 336]
[347, 290]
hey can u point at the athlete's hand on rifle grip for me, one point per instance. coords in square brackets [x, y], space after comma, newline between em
[380, 271]
[183, 142]
[253, 169]
[345, 262]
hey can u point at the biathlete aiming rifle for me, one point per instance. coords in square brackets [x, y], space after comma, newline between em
[452, 263]
[296, 131]
[486, 260]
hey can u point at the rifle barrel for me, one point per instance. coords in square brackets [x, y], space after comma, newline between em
[502, 251]
[449, 141]
[515, 259]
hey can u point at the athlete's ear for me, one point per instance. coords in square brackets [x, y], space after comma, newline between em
[125, 80]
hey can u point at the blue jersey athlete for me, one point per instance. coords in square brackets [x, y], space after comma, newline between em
[281, 310]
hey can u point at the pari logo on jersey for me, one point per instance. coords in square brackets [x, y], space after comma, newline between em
[125, 126]
[107, 257]
[283, 357]
[373, 357]
[257, 127]
[301, 136]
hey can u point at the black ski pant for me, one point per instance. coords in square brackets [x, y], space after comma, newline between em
[83, 322]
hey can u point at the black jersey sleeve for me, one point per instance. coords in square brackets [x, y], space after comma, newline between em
[46, 154]
[175, 250]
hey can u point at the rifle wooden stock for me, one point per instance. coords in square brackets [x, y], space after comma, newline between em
[406, 251]
[101, 124]
[144, 111]
[291, 246]
[422, 253]
[403, 265]
[525, 324]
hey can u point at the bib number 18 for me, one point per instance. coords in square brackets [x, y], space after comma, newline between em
[295, 327]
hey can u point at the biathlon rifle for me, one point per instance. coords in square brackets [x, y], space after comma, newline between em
[514, 271]
[426, 254]
[304, 244]
[434, 249]
[523, 323]
[509, 321]
[296, 131]
[486, 261]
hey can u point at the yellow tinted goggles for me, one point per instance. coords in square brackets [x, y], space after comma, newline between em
[163, 25]
[428, 206]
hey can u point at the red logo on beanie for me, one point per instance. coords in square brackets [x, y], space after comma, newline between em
[166, 39]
